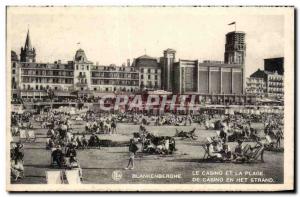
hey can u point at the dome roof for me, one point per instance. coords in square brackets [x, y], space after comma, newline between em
[146, 57]
[80, 55]
[146, 61]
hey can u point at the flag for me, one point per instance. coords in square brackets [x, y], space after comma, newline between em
[233, 23]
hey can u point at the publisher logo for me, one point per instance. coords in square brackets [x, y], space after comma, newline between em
[116, 175]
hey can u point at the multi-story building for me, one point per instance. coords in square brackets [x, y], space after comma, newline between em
[149, 71]
[114, 79]
[273, 82]
[31, 79]
[256, 86]
[36, 78]
[274, 65]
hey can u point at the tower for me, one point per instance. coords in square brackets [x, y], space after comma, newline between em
[235, 52]
[235, 48]
[28, 52]
[167, 69]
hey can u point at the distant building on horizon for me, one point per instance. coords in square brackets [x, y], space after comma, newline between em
[274, 65]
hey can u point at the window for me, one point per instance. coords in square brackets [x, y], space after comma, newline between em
[142, 70]
[87, 67]
[156, 71]
[142, 76]
[14, 65]
[82, 67]
[149, 76]
[155, 77]
[149, 70]
[13, 71]
[76, 67]
[95, 89]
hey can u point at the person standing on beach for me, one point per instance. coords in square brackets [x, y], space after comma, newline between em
[132, 151]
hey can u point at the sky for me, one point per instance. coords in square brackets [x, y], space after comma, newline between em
[111, 35]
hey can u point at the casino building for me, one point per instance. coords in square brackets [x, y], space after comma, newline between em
[217, 81]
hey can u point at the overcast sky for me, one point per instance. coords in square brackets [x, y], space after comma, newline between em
[112, 35]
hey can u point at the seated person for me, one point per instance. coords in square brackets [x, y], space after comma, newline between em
[226, 153]
[238, 151]
[215, 150]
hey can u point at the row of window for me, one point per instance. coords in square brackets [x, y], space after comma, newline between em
[82, 67]
[46, 66]
[115, 75]
[149, 77]
[114, 82]
[48, 73]
[37, 87]
[149, 70]
[113, 68]
[110, 89]
[46, 80]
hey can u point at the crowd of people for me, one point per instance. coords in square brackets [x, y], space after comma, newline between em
[63, 139]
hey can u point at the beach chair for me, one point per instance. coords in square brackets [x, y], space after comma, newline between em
[23, 135]
[31, 136]
[73, 176]
[54, 177]
[253, 156]
[257, 153]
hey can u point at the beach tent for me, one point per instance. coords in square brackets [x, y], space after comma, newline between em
[73, 176]
[54, 177]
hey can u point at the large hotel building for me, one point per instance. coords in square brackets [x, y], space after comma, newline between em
[214, 80]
